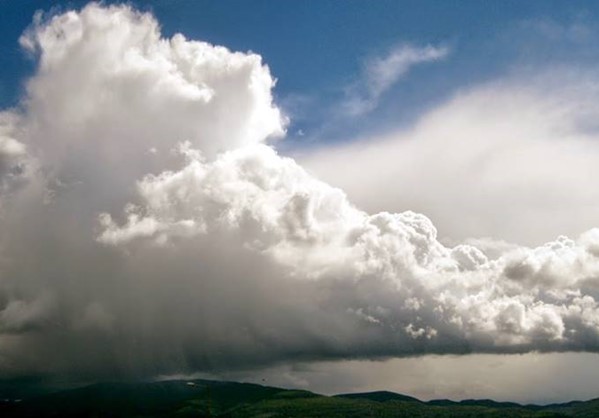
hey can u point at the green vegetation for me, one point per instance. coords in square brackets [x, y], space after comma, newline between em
[203, 398]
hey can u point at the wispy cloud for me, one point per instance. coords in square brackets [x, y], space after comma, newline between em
[542, 126]
[381, 73]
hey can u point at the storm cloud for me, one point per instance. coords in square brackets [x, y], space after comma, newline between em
[154, 229]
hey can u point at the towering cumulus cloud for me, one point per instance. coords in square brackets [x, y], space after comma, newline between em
[147, 227]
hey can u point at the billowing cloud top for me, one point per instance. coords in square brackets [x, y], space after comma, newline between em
[148, 228]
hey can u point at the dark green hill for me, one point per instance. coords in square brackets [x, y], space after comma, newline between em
[588, 409]
[478, 402]
[205, 398]
[379, 396]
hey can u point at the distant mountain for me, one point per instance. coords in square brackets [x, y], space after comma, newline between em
[476, 402]
[380, 396]
[206, 398]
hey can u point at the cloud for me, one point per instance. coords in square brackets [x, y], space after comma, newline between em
[12, 152]
[381, 73]
[408, 291]
[513, 159]
[109, 87]
[159, 232]
[527, 378]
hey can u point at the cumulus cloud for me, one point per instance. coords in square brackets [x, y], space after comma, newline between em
[388, 273]
[158, 232]
[12, 153]
[381, 73]
[109, 88]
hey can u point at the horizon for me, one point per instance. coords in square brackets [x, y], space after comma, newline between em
[51, 389]
[339, 197]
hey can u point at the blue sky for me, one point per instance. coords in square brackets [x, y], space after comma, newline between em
[317, 49]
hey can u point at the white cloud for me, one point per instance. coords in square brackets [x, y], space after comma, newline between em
[108, 86]
[381, 73]
[514, 159]
[526, 299]
[221, 253]
[12, 153]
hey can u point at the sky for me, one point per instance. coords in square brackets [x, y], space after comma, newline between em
[337, 196]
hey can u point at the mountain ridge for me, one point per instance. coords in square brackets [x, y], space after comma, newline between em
[210, 398]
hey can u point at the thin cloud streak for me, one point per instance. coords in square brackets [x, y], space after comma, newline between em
[382, 73]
